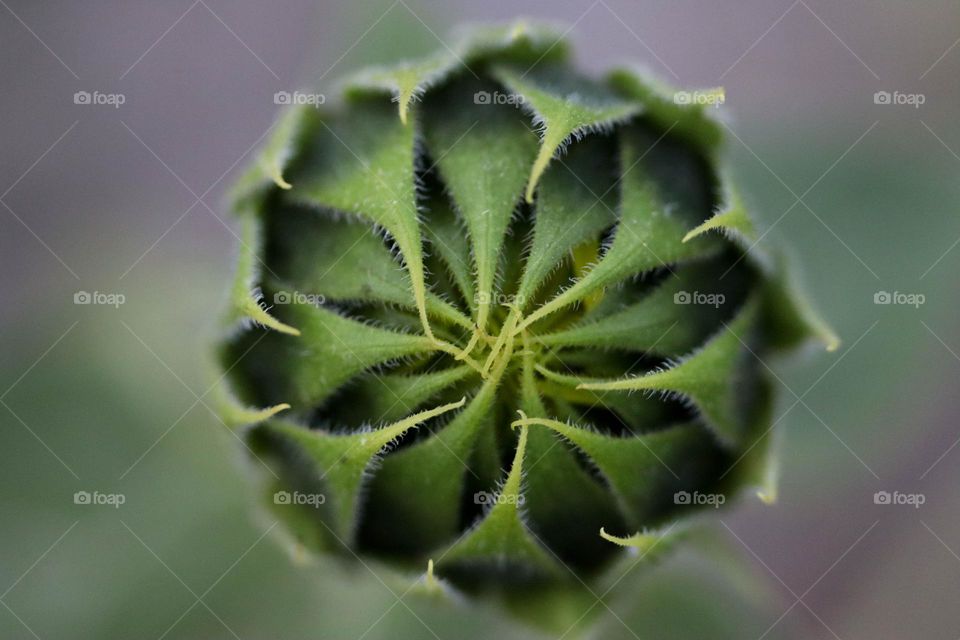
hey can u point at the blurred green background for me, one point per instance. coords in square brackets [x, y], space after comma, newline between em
[129, 200]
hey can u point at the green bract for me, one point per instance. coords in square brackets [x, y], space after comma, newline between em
[501, 306]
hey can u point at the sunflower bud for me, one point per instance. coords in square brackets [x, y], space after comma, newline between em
[488, 308]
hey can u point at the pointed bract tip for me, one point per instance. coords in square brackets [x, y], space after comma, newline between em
[280, 182]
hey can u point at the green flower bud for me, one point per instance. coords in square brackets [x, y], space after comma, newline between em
[503, 308]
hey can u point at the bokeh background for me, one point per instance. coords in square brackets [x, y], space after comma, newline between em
[129, 201]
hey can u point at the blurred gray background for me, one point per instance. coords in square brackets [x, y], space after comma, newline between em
[128, 200]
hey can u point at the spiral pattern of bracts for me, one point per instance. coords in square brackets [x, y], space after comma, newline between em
[488, 306]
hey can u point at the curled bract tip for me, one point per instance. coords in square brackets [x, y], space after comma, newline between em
[280, 182]
[235, 415]
[269, 412]
[642, 541]
[521, 422]
[618, 540]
